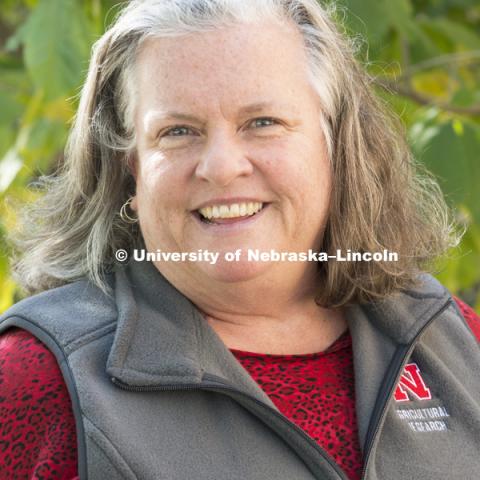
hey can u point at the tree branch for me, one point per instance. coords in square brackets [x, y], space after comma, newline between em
[401, 89]
[472, 56]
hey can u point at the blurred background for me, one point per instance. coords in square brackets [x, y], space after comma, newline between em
[423, 55]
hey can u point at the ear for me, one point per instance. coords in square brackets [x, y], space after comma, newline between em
[134, 204]
[132, 164]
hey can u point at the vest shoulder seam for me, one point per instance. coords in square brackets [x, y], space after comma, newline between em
[463, 320]
[70, 346]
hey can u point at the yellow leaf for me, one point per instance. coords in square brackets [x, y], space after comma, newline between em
[457, 127]
[7, 292]
[60, 109]
[435, 83]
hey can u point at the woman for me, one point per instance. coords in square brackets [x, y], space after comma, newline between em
[221, 127]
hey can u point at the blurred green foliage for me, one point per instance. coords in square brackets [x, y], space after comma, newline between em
[423, 55]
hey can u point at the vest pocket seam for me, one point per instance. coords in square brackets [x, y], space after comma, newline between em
[100, 439]
[88, 337]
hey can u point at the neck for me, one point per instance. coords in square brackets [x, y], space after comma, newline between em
[273, 313]
[298, 328]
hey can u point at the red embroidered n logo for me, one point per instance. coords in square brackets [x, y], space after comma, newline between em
[411, 381]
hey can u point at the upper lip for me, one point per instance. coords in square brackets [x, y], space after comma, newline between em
[227, 201]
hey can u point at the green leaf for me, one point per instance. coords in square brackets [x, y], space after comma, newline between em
[45, 142]
[465, 97]
[7, 137]
[461, 35]
[422, 46]
[451, 151]
[56, 42]
[449, 36]
[16, 39]
[461, 270]
[375, 17]
[10, 109]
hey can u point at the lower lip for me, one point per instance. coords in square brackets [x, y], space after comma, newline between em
[231, 226]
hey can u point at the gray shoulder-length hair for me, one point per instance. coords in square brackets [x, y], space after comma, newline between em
[379, 201]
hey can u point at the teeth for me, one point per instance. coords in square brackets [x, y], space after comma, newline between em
[235, 210]
[224, 211]
[231, 211]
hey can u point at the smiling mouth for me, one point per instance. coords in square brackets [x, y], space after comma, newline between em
[221, 214]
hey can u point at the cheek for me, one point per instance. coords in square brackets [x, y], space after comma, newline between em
[316, 172]
[301, 172]
[153, 208]
[158, 225]
[158, 183]
[162, 199]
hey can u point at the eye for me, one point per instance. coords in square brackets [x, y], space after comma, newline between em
[177, 131]
[263, 122]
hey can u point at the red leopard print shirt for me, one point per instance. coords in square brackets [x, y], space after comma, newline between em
[37, 428]
[316, 392]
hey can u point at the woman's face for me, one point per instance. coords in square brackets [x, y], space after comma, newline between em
[228, 118]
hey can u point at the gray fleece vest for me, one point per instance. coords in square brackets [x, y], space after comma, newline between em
[157, 395]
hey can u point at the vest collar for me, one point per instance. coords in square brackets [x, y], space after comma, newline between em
[162, 339]
[403, 315]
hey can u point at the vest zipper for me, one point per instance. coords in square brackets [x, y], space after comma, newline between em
[228, 390]
[395, 371]
[378, 415]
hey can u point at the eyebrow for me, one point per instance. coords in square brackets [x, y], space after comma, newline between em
[257, 107]
[163, 115]
[157, 116]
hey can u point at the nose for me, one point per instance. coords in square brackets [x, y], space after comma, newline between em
[223, 160]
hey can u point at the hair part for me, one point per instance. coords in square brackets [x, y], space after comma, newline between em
[379, 198]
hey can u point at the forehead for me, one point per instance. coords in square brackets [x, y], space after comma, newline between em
[246, 63]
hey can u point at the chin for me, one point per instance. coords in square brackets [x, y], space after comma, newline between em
[232, 272]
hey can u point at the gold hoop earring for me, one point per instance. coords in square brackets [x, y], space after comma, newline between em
[124, 213]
